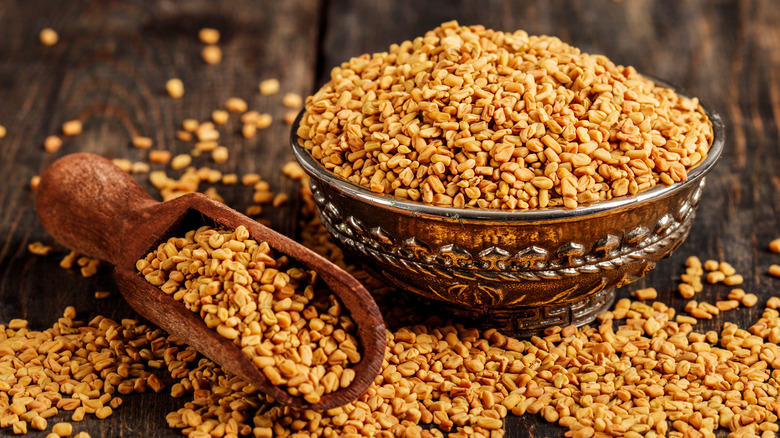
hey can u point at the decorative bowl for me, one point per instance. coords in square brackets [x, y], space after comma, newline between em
[520, 271]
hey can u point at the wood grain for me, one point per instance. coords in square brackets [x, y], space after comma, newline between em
[114, 57]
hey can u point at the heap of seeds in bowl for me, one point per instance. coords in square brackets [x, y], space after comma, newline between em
[300, 337]
[466, 116]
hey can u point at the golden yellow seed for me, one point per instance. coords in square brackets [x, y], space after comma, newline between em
[220, 154]
[736, 294]
[290, 116]
[82, 434]
[249, 130]
[686, 290]
[159, 156]
[103, 412]
[102, 294]
[72, 127]
[62, 429]
[774, 270]
[733, 280]
[711, 265]
[190, 125]
[263, 121]
[139, 167]
[236, 105]
[208, 35]
[292, 100]
[181, 161]
[52, 144]
[39, 248]
[175, 88]
[142, 142]
[749, 300]
[773, 303]
[269, 86]
[220, 117]
[774, 245]
[715, 277]
[3, 131]
[254, 210]
[211, 54]
[35, 181]
[48, 37]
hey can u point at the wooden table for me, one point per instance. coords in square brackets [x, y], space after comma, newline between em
[112, 61]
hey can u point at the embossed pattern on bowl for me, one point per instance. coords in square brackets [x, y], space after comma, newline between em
[520, 271]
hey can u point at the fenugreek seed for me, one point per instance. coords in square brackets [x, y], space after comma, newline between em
[726, 269]
[236, 105]
[736, 294]
[733, 280]
[142, 142]
[773, 303]
[249, 130]
[269, 87]
[3, 131]
[211, 54]
[38, 423]
[103, 412]
[39, 248]
[263, 121]
[52, 144]
[220, 117]
[181, 161]
[711, 265]
[749, 300]
[219, 154]
[62, 429]
[72, 127]
[102, 294]
[82, 434]
[159, 156]
[78, 414]
[646, 294]
[715, 277]
[208, 35]
[292, 100]
[48, 37]
[774, 246]
[727, 305]
[175, 88]
[290, 116]
[34, 181]
[190, 125]
[686, 290]
[774, 271]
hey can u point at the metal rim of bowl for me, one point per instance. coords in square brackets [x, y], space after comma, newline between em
[414, 208]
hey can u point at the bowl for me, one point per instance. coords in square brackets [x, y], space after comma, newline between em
[520, 271]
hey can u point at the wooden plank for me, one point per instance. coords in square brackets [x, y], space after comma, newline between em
[109, 70]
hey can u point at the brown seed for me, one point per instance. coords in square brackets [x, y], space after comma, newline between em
[175, 88]
[48, 37]
[52, 144]
[208, 35]
[211, 54]
[72, 127]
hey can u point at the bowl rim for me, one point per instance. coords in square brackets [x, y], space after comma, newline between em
[416, 208]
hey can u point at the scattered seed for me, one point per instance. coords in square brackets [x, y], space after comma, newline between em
[733, 280]
[48, 37]
[220, 154]
[62, 429]
[749, 300]
[102, 294]
[249, 130]
[39, 248]
[52, 144]
[159, 156]
[269, 87]
[220, 117]
[3, 131]
[263, 121]
[208, 35]
[774, 270]
[646, 294]
[142, 142]
[190, 125]
[175, 88]
[292, 100]
[72, 127]
[35, 181]
[211, 54]
[774, 245]
[181, 161]
[236, 105]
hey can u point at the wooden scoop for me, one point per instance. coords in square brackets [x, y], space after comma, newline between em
[91, 206]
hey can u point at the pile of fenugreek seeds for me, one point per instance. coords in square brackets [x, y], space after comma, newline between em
[641, 370]
[466, 116]
[299, 337]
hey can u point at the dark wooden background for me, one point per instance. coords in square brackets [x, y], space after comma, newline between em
[113, 58]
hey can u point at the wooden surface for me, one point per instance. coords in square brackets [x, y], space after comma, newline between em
[113, 58]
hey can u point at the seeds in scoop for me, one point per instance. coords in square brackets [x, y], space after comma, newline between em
[142, 142]
[52, 144]
[437, 114]
[48, 37]
[236, 105]
[72, 127]
[211, 54]
[208, 35]
[260, 301]
[175, 88]
[774, 245]
[269, 87]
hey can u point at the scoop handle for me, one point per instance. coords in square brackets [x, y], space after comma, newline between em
[86, 202]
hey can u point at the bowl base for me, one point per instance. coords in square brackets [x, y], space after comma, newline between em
[532, 321]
